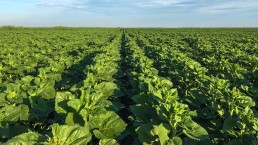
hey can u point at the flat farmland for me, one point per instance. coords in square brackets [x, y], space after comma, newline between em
[109, 86]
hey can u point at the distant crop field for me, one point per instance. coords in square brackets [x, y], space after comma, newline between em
[108, 86]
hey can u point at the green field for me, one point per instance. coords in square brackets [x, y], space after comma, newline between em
[108, 86]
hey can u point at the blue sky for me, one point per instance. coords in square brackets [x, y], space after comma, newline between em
[130, 13]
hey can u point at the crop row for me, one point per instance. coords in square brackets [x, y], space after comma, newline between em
[224, 110]
[159, 116]
[46, 105]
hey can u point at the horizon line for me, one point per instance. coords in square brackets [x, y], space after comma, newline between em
[62, 26]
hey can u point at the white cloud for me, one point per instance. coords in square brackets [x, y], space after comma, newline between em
[150, 6]
[59, 2]
[111, 3]
[158, 3]
[223, 6]
[62, 3]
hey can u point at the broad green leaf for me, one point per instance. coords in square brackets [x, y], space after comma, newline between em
[108, 125]
[158, 93]
[177, 141]
[116, 106]
[31, 61]
[144, 134]
[27, 79]
[194, 130]
[14, 113]
[47, 92]
[75, 104]
[162, 132]
[69, 135]
[17, 129]
[38, 103]
[108, 142]
[74, 118]
[144, 113]
[140, 99]
[30, 138]
[197, 95]
[2, 99]
[61, 100]
[14, 93]
[156, 134]
[107, 88]
[228, 124]
[37, 80]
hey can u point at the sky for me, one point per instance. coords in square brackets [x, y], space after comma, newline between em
[129, 13]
